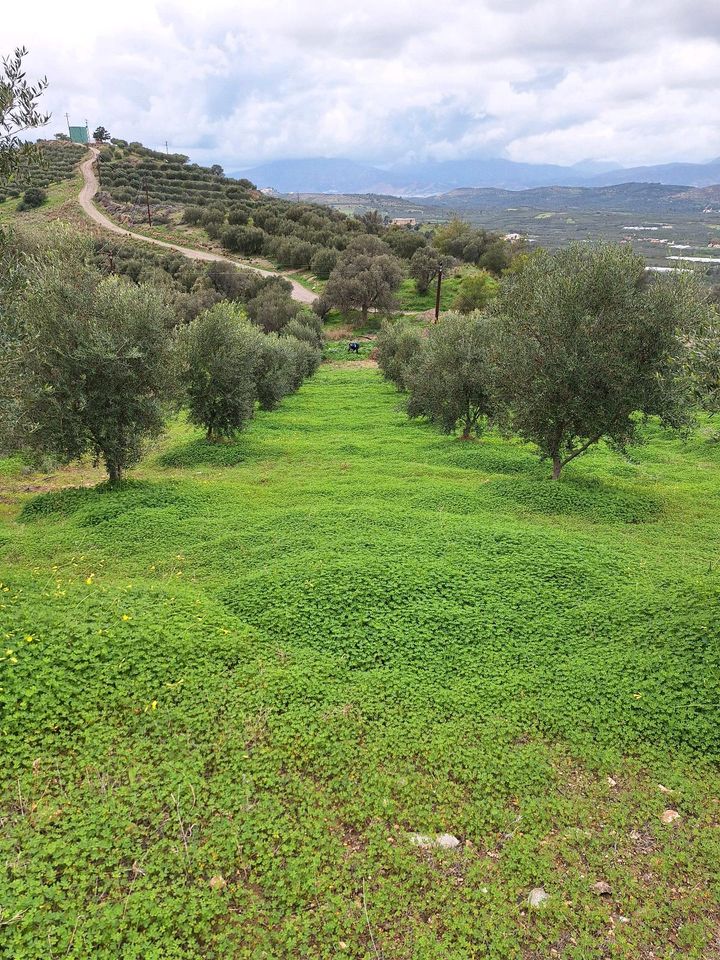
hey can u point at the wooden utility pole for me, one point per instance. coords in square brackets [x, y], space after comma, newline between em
[437, 295]
[147, 204]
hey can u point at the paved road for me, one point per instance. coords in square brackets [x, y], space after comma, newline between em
[90, 188]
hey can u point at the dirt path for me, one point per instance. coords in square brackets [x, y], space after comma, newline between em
[91, 187]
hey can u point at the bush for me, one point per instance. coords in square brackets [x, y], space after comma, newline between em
[221, 356]
[449, 381]
[398, 345]
[476, 291]
[102, 344]
[239, 239]
[306, 327]
[32, 198]
[323, 262]
[273, 307]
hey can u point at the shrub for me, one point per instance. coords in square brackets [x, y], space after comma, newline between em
[398, 345]
[323, 262]
[221, 354]
[33, 197]
[273, 307]
[94, 368]
[449, 379]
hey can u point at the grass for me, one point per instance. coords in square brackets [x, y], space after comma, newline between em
[411, 300]
[57, 195]
[233, 687]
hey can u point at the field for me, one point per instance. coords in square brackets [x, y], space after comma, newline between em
[232, 690]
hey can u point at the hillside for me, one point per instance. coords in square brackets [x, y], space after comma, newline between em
[629, 197]
[244, 682]
[60, 161]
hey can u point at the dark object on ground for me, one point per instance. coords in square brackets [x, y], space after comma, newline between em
[354, 346]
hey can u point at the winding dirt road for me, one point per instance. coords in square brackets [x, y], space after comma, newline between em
[91, 187]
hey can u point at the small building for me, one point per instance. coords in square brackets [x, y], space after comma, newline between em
[403, 222]
[79, 134]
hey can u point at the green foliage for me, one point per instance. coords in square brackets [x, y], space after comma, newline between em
[403, 242]
[272, 308]
[100, 135]
[476, 291]
[366, 277]
[449, 379]
[32, 198]
[473, 245]
[701, 363]
[18, 113]
[221, 355]
[93, 364]
[585, 341]
[425, 265]
[308, 327]
[398, 344]
[323, 262]
[238, 239]
[296, 650]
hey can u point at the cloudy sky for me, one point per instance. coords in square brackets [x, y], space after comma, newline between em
[560, 81]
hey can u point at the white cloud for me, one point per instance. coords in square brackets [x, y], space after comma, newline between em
[541, 80]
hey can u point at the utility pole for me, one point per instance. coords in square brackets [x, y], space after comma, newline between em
[437, 296]
[67, 117]
[147, 204]
[167, 149]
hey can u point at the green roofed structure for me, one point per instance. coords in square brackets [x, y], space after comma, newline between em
[78, 134]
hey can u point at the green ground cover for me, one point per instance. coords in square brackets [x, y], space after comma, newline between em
[231, 689]
[410, 299]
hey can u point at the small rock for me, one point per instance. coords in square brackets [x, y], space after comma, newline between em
[218, 882]
[611, 782]
[445, 841]
[670, 816]
[342, 945]
[623, 919]
[634, 835]
[602, 889]
[663, 789]
[537, 897]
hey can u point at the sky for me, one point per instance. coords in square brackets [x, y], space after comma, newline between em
[384, 81]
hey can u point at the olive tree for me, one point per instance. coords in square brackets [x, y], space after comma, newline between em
[273, 307]
[18, 113]
[425, 265]
[398, 344]
[365, 277]
[702, 360]
[585, 341]
[221, 355]
[93, 365]
[449, 381]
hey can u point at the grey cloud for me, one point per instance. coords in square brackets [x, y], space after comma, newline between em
[552, 80]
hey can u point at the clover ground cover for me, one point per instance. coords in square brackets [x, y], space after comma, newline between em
[231, 689]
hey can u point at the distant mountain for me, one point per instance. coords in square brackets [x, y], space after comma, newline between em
[693, 174]
[623, 197]
[430, 178]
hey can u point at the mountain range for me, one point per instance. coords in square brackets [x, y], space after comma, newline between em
[430, 178]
